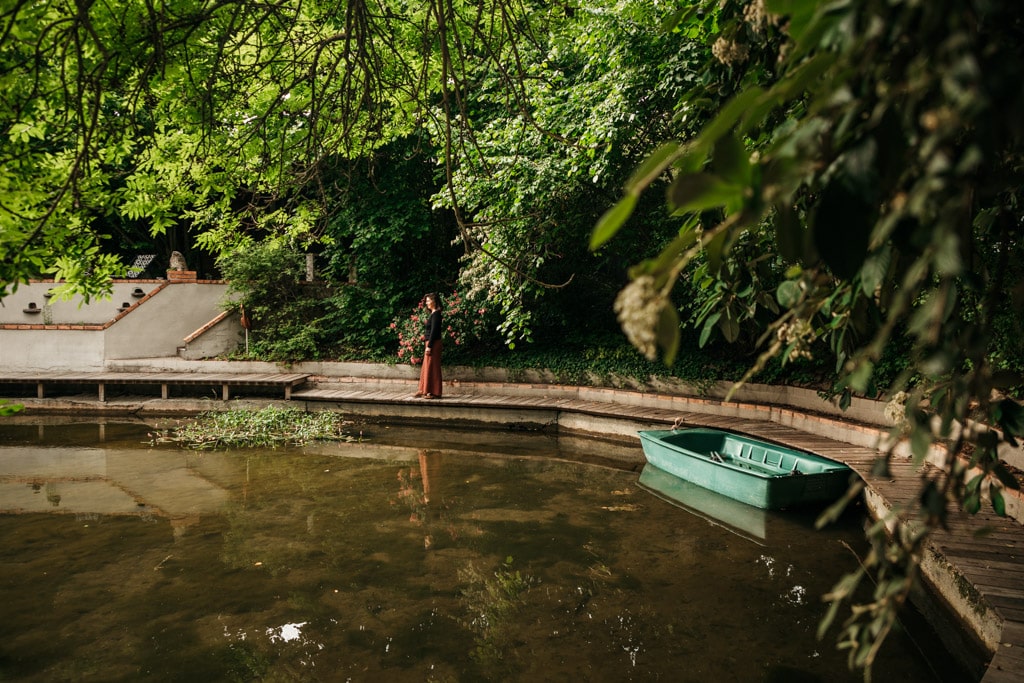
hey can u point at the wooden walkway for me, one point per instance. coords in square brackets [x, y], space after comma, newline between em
[985, 550]
[164, 380]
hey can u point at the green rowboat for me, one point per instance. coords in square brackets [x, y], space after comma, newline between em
[754, 472]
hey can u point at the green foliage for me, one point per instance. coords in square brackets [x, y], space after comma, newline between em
[287, 314]
[265, 428]
[492, 603]
[7, 408]
[464, 323]
[385, 246]
[219, 118]
[874, 148]
[606, 359]
[734, 301]
[594, 94]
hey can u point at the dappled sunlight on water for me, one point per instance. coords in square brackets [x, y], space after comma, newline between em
[418, 555]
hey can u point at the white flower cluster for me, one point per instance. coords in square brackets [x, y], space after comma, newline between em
[754, 14]
[757, 16]
[800, 334]
[638, 307]
[729, 52]
[896, 409]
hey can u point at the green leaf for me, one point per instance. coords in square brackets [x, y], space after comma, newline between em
[700, 191]
[846, 211]
[671, 253]
[1010, 417]
[709, 327]
[806, 22]
[998, 504]
[1005, 477]
[797, 81]
[873, 272]
[652, 167]
[920, 442]
[612, 220]
[7, 408]
[729, 159]
[715, 251]
[861, 375]
[845, 399]
[789, 233]
[933, 500]
[788, 294]
[673, 19]
[880, 467]
[729, 114]
[972, 503]
[830, 616]
[729, 327]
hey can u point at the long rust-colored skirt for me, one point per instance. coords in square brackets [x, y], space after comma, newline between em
[430, 374]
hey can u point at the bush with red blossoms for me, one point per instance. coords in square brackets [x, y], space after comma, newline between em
[463, 322]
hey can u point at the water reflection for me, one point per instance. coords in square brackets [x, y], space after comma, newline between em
[97, 481]
[745, 520]
[414, 491]
[397, 560]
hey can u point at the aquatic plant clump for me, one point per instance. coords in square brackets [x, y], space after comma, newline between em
[267, 427]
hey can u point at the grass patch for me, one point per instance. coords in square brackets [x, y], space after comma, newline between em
[265, 428]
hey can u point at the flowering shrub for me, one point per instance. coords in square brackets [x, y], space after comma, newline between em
[463, 322]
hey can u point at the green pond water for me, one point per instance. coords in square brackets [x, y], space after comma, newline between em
[418, 555]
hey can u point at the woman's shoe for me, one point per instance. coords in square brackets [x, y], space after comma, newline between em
[418, 394]
[432, 396]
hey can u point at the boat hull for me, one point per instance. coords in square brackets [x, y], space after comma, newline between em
[754, 472]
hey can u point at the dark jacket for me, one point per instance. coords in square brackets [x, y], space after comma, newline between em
[433, 325]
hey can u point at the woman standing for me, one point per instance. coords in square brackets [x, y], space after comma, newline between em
[430, 375]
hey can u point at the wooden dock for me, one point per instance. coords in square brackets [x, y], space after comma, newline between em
[165, 380]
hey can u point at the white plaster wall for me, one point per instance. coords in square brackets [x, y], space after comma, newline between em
[225, 336]
[73, 312]
[159, 325]
[51, 350]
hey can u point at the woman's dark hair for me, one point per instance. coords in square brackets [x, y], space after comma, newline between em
[437, 300]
